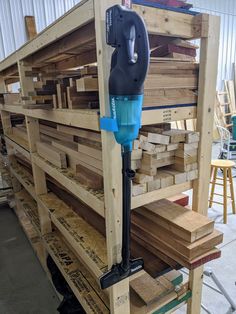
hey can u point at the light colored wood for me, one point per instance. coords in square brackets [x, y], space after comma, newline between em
[54, 155]
[67, 179]
[225, 171]
[158, 138]
[6, 122]
[71, 150]
[119, 293]
[232, 192]
[205, 115]
[93, 136]
[32, 126]
[18, 148]
[168, 23]
[87, 119]
[214, 171]
[220, 163]
[156, 195]
[87, 84]
[167, 114]
[90, 151]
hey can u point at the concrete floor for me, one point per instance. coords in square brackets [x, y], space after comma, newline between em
[24, 286]
[25, 289]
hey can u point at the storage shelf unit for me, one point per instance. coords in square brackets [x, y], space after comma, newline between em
[77, 39]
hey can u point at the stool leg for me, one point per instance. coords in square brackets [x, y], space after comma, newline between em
[225, 195]
[232, 190]
[214, 171]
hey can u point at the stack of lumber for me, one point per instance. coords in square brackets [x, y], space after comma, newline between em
[162, 293]
[79, 92]
[163, 157]
[176, 49]
[170, 82]
[180, 234]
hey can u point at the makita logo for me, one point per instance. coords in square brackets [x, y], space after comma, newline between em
[113, 107]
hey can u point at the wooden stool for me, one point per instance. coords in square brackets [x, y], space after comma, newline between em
[226, 166]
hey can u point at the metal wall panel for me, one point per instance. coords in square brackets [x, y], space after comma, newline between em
[227, 50]
[12, 25]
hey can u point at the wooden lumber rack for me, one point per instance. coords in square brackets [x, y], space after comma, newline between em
[80, 251]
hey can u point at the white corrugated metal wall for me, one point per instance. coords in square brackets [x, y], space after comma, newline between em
[227, 51]
[13, 35]
[12, 25]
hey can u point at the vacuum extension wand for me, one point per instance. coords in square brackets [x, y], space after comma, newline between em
[125, 32]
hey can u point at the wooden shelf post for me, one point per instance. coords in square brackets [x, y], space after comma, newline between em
[205, 117]
[111, 153]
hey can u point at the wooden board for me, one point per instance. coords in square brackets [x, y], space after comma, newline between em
[149, 289]
[53, 154]
[90, 135]
[169, 81]
[87, 84]
[90, 151]
[173, 242]
[89, 178]
[71, 150]
[185, 223]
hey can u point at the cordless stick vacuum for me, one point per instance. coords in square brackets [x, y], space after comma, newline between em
[125, 32]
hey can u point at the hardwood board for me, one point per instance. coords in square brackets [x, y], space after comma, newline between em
[187, 224]
[53, 154]
[188, 250]
[89, 178]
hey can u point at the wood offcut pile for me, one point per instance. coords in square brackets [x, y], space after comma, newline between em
[163, 157]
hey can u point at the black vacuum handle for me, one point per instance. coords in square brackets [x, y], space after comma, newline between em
[126, 32]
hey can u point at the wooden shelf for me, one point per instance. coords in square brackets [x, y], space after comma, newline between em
[29, 229]
[81, 118]
[25, 178]
[29, 206]
[88, 244]
[78, 39]
[19, 144]
[60, 28]
[156, 195]
[152, 115]
[66, 178]
[77, 276]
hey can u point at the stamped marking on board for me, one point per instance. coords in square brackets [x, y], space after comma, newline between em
[167, 116]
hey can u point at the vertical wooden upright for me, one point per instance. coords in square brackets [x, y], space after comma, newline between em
[205, 117]
[119, 293]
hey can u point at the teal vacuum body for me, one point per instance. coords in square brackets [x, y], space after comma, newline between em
[126, 32]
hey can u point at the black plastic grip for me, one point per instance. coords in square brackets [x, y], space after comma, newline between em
[126, 32]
